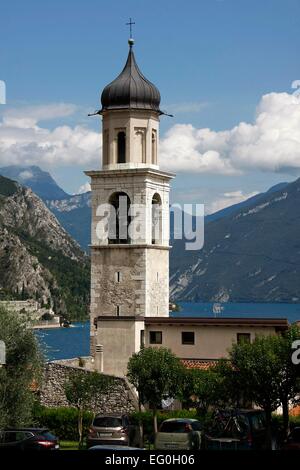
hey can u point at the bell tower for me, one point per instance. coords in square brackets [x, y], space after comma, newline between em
[130, 221]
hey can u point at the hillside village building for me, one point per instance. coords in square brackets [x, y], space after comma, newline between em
[130, 269]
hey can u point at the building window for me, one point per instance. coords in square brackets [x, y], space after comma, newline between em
[118, 276]
[118, 310]
[243, 338]
[142, 339]
[155, 337]
[121, 147]
[187, 337]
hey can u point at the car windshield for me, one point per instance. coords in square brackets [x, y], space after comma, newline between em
[107, 422]
[233, 426]
[174, 427]
[47, 435]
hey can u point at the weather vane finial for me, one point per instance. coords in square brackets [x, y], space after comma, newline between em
[130, 40]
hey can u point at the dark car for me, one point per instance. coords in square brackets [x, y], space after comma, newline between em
[236, 430]
[28, 439]
[113, 429]
[293, 440]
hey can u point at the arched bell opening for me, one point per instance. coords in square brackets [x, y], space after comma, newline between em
[119, 220]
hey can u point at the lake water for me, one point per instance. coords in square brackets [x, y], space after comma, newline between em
[65, 343]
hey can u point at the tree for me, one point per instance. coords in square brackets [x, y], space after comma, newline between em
[83, 389]
[157, 374]
[265, 374]
[289, 377]
[206, 388]
[22, 370]
[258, 371]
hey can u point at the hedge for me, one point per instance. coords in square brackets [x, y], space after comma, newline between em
[61, 421]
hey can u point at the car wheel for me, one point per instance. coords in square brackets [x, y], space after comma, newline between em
[195, 445]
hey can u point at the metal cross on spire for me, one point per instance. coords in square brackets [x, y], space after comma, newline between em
[130, 26]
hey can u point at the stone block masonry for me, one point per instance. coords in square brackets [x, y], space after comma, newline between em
[121, 399]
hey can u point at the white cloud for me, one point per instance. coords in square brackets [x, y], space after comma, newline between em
[84, 188]
[24, 141]
[271, 143]
[228, 199]
[29, 116]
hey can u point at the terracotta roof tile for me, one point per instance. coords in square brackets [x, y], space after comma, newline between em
[203, 364]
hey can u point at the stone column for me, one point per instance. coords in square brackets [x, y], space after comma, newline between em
[99, 358]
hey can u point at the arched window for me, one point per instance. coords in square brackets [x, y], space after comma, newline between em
[121, 147]
[156, 219]
[119, 219]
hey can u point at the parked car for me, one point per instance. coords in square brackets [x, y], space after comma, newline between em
[179, 434]
[28, 439]
[236, 430]
[293, 440]
[113, 429]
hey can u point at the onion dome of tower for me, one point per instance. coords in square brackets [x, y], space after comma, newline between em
[131, 90]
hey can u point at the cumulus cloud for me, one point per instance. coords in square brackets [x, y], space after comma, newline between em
[228, 199]
[24, 141]
[270, 143]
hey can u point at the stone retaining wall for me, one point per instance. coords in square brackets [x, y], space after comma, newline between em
[121, 399]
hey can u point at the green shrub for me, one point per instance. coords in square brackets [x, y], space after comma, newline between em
[61, 421]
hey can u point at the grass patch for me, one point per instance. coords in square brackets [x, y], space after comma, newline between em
[68, 445]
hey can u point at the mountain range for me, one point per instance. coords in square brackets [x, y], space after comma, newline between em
[250, 254]
[251, 251]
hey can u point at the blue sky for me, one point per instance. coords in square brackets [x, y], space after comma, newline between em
[213, 61]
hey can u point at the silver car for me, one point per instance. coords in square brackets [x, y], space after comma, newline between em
[179, 434]
[113, 429]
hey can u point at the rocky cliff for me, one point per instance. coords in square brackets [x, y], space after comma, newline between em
[38, 258]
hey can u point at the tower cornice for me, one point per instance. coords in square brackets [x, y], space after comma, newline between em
[130, 172]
